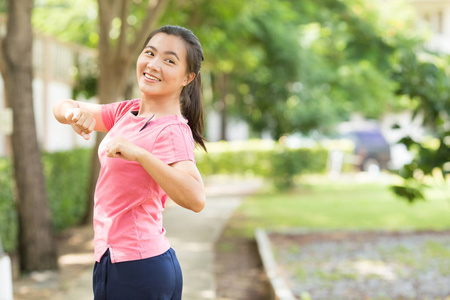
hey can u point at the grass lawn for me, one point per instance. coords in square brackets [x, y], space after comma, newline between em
[340, 205]
[320, 268]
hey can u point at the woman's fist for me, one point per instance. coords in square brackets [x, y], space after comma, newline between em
[121, 148]
[82, 121]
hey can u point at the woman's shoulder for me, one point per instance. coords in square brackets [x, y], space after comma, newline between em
[174, 121]
[123, 105]
[175, 124]
[132, 104]
[113, 112]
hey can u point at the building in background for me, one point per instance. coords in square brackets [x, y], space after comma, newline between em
[435, 15]
[431, 15]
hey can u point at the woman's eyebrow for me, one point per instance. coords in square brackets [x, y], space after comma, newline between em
[166, 52]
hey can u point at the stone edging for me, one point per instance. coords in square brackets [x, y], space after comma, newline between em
[280, 288]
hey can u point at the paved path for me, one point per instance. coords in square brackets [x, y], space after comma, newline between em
[193, 236]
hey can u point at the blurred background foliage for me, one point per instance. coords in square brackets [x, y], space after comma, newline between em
[284, 66]
[295, 66]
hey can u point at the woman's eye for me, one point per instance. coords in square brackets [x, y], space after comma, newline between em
[170, 61]
[149, 53]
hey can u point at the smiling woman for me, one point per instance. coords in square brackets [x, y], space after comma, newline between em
[146, 157]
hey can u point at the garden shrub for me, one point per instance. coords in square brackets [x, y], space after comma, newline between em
[67, 177]
[8, 215]
[262, 158]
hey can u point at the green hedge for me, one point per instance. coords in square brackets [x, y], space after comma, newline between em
[67, 176]
[262, 158]
[67, 182]
[8, 216]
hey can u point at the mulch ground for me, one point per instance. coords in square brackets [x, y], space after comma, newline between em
[239, 270]
[354, 265]
[240, 274]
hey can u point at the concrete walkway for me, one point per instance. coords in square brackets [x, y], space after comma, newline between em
[193, 236]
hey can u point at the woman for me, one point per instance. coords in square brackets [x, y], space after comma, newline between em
[146, 157]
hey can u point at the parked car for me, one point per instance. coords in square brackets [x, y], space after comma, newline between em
[371, 149]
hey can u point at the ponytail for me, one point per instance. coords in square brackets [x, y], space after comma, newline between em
[192, 109]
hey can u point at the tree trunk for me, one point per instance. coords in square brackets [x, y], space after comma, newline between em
[111, 86]
[114, 71]
[36, 245]
[115, 61]
[223, 100]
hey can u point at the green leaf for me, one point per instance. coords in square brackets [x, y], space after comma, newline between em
[409, 193]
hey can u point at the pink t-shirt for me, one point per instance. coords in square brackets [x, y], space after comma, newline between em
[128, 202]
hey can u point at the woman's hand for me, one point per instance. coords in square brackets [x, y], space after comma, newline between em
[180, 180]
[121, 148]
[82, 121]
[82, 116]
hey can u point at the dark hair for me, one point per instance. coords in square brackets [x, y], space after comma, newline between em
[191, 95]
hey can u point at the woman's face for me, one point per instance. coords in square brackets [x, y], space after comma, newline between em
[162, 67]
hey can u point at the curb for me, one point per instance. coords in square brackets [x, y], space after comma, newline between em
[280, 288]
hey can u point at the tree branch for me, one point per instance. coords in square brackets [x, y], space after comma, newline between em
[2, 58]
[107, 12]
[105, 18]
[154, 11]
[122, 40]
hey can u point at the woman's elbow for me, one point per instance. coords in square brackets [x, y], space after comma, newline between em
[199, 204]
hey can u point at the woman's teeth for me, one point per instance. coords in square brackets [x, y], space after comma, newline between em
[151, 77]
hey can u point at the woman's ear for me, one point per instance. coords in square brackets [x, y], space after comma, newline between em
[189, 78]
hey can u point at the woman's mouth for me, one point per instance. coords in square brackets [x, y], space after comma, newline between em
[151, 77]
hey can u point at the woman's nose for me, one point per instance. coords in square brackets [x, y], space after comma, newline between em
[153, 63]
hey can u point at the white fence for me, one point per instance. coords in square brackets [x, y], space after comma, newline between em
[54, 69]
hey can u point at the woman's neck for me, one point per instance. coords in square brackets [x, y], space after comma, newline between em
[159, 107]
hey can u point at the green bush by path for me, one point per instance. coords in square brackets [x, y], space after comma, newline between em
[263, 159]
[67, 175]
[8, 216]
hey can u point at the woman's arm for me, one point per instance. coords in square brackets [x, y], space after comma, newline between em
[83, 117]
[181, 181]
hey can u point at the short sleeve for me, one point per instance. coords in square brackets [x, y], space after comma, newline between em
[174, 143]
[112, 113]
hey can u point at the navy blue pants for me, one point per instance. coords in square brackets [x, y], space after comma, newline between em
[154, 278]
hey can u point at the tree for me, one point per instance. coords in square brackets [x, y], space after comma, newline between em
[426, 83]
[287, 66]
[36, 244]
[236, 45]
[120, 40]
[322, 60]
